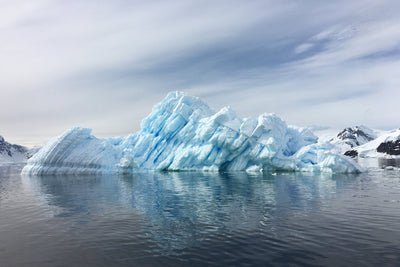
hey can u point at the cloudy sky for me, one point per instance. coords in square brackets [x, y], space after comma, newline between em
[104, 64]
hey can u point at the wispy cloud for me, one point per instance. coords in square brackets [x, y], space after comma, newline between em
[303, 48]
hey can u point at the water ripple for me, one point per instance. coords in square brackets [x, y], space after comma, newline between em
[197, 219]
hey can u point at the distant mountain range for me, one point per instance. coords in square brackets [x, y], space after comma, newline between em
[361, 141]
[355, 136]
[386, 145]
[11, 153]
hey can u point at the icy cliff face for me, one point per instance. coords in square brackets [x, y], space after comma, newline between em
[183, 133]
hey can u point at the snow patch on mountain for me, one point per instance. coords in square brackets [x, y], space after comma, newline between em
[387, 145]
[11, 153]
[353, 137]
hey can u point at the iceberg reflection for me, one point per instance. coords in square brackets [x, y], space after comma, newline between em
[180, 209]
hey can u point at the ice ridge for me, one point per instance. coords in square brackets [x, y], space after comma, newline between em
[182, 133]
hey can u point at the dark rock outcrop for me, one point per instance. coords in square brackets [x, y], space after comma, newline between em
[351, 153]
[389, 147]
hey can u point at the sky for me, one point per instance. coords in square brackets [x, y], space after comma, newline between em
[104, 64]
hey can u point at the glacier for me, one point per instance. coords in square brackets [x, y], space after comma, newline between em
[182, 133]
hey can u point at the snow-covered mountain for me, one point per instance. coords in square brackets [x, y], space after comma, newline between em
[361, 141]
[184, 133]
[10, 153]
[354, 136]
[387, 145]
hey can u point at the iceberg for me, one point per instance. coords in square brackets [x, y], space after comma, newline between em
[182, 133]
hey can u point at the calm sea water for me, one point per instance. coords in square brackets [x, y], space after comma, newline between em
[197, 219]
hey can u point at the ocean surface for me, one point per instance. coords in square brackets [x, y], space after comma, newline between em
[199, 219]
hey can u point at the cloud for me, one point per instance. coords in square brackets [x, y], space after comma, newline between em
[303, 48]
[104, 64]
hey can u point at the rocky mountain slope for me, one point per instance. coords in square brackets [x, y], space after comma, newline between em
[361, 141]
[387, 145]
[353, 137]
[11, 153]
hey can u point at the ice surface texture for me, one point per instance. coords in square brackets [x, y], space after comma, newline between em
[184, 133]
